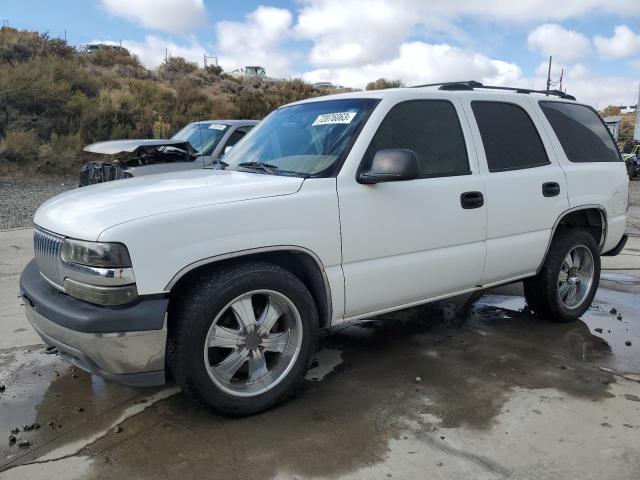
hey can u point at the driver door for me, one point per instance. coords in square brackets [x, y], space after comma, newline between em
[407, 241]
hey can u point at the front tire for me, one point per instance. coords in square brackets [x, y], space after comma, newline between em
[565, 286]
[242, 337]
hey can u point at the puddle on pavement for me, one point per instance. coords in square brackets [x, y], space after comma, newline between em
[599, 337]
[325, 362]
[45, 391]
[366, 389]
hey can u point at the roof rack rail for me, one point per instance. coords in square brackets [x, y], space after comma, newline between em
[472, 84]
[463, 85]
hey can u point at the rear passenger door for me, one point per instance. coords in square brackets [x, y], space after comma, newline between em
[526, 188]
[408, 241]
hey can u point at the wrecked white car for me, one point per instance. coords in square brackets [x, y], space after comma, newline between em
[199, 144]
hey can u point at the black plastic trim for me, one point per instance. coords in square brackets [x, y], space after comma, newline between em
[550, 189]
[522, 167]
[618, 248]
[146, 313]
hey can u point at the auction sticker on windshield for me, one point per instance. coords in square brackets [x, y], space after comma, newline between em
[333, 118]
[217, 126]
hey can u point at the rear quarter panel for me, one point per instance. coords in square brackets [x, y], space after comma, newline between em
[604, 184]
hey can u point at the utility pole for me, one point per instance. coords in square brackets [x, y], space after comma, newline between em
[561, 75]
[549, 76]
[166, 54]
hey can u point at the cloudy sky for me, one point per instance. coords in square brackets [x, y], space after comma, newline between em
[351, 42]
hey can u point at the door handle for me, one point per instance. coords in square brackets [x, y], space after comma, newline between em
[550, 189]
[471, 200]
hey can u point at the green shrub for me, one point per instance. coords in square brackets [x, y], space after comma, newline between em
[16, 46]
[383, 83]
[175, 68]
[108, 57]
[19, 146]
[53, 102]
[62, 152]
[54, 47]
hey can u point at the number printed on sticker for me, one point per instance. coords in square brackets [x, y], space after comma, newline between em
[333, 118]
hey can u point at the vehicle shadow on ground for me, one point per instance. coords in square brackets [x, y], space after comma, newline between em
[410, 367]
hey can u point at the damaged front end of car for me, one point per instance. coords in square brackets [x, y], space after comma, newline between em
[117, 159]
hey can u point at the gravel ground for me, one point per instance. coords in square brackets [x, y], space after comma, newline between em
[20, 197]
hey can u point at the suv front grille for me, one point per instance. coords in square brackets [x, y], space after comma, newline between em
[48, 249]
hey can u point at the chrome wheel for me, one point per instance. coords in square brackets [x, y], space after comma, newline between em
[575, 277]
[253, 343]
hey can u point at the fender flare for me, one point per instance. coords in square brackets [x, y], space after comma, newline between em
[252, 251]
[603, 216]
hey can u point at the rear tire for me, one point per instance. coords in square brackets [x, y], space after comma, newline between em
[565, 286]
[242, 337]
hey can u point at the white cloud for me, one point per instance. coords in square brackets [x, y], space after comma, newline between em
[624, 43]
[352, 32]
[532, 10]
[601, 91]
[346, 32]
[152, 51]
[552, 39]
[419, 62]
[350, 42]
[166, 15]
[256, 41]
[588, 88]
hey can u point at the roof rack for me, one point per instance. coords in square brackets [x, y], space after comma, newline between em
[472, 84]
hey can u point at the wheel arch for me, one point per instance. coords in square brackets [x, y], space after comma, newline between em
[592, 217]
[302, 262]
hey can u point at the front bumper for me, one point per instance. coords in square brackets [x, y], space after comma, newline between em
[126, 344]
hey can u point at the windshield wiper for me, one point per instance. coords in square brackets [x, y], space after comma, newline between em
[265, 167]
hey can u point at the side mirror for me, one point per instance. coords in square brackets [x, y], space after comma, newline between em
[391, 165]
[227, 148]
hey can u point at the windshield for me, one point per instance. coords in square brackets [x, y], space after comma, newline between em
[302, 140]
[203, 137]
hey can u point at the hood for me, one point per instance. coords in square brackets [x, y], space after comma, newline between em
[86, 212]
[113, 147]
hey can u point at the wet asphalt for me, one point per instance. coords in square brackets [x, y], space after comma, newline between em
[482, 390]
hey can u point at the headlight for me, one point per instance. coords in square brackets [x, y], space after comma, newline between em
[98, 273]
[95, 254]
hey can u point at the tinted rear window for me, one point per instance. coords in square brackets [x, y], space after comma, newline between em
[583, 136]
[510, 139]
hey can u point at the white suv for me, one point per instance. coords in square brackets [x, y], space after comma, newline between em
[331, 209]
